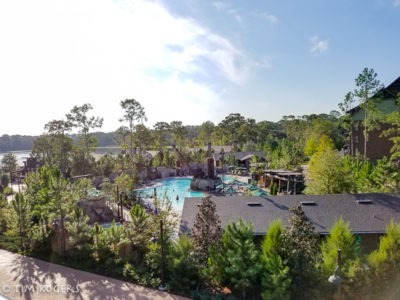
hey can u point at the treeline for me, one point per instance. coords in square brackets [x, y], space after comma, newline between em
[25, 142]
[16, 142]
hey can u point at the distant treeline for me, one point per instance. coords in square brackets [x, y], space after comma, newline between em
[25, 142]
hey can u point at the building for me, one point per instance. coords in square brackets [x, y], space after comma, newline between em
[378, 146]
[368, 214]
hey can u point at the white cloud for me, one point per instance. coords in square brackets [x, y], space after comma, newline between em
[270, 18]
[55, 55]
[318, 46]
[396, 3]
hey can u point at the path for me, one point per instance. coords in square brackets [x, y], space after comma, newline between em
[23, 277]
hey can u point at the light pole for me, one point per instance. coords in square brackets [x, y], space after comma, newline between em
[120, 206]
[335, 279]
[154, 239]
[222, 153]
[162, 287]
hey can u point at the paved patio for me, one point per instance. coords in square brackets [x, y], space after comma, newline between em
[23, 277]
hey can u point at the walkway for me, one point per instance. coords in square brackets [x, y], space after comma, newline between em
[23, 277]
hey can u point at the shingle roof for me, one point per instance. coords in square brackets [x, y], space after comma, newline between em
[367, 213]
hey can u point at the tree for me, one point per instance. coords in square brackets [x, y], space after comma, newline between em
[346, 119]
[160, 134]
[236, 264]
[206, 130]
[138, 233]
[78, 231]
[394, 132]
[229, 127]
[178, 132]
[368, 95]
[300, 248]
[275, 278]
[247, 133]
[133, 112]
[206, 231]
[183, 272]
[341, 238]
[325, 172]
[385, 261]
[78, 118]
[9, 164]
[143, 137]
[61, 202]
[57, 129]
[22, 209]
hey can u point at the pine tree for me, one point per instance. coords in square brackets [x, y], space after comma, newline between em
[300, 246]
[78, 229]
[237, 264]
[385, 261]
[22, 208]
[275, 274]
[350, 271]
[206, 231]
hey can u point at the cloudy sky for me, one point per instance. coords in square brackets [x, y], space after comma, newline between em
[189, 61]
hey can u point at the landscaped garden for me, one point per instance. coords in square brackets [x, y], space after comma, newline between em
[75, 210]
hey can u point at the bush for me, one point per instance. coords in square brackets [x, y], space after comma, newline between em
[9, 243]
[8, 191]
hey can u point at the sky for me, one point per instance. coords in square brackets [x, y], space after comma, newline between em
[191, 61]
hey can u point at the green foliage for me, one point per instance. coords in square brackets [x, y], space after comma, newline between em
[394, 132]
[366, 177]
[21, 207]
[82, 159]
[3, 213]
[206, 231]
[81, 187]
[8, 191]
[237, 264]
[351, 269]
[300, 249]
[368, 95]
[78, 230]
[125, 183]
[9, 163]
[114, 238]
[138, 232]
[133, 112]
[183, 273]
[275, 278]
[311, 146]
[273, 189]
[4, 180]
[326, 174]
[105, 165]
[385, 261]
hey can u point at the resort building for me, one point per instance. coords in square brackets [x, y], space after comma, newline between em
[367, 214]
[378, 146]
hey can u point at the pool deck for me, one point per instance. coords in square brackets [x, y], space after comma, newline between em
[23, 277]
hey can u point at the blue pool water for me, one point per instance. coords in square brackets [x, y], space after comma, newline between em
[175, 189]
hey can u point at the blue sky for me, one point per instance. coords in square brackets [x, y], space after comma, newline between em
[190, 61]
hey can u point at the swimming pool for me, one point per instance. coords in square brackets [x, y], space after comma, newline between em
[176, 189]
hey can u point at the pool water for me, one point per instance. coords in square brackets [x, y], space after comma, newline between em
[174, 189]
